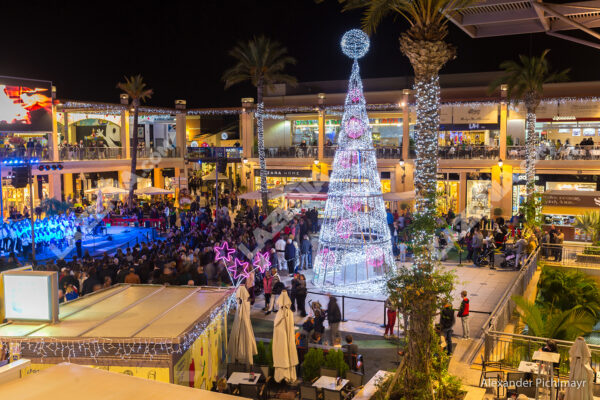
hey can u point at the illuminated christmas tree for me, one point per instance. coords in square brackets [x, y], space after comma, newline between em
[355, 242]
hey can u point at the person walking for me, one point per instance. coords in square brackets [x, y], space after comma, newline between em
[301, 293]
[402, 247]
[294, 291]
[476, 243]
[267, 287]
[391, 318]
[463, 314]
[280, 248]
[290, 255]
[447, 321]
[304, 250]
[334, 316]
[276, 288]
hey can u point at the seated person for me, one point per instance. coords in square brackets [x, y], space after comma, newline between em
[315, 338]
[337, 342]
[221, 386]
[350, 346]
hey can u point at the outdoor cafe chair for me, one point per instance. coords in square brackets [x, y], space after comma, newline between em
[329, 394]
[491, 381]
[252, 391]
[308, 392]
[329, 372]
[485, 367]
[355, 379]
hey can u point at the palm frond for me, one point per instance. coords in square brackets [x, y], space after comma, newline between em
[136, 88]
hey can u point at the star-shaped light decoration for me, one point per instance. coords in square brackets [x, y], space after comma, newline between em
[261, 261]
[235, 269]
[224, 252]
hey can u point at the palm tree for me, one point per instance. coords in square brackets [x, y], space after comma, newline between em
[562, 325]
[590, 224]
[135, 87]
[261, 61]
[525, 82]
[425, 46]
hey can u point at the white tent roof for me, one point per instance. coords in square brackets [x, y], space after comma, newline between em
[400, 196]
[151, 190]
[96, 384]
[107, 190]
[273, 193]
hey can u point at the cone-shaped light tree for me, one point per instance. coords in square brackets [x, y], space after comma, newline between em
[262, 62]
[422, 288]
[524, 82]
[355, 247]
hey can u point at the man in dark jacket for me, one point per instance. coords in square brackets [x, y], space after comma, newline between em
[334, 316]
[463, 314]
[290, 256]
[447, 321]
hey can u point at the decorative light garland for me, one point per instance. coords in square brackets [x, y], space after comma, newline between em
[354, 247]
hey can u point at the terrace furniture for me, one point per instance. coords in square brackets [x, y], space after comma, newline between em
[328, 372]
[328, 382]
[243, 378]
[235, 367]
[308, 392]
[355, 379]
[491, 380]
[332, 394]
[252, 391]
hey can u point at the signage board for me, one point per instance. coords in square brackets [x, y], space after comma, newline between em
[289, 173]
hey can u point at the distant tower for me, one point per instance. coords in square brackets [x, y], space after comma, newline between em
[354, 243]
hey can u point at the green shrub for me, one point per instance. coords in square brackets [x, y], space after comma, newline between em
[260, 358]
[313, 361]
[335, 360]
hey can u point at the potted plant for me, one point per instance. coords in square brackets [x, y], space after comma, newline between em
[313, 361]
[335, 360]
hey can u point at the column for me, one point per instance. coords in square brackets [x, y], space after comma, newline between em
[180, 130]
[68, 184]
[462, 193]
[247, 126]
[125, 136]
[321, 141]
[503, 130]
[159, 179]
[501, 196]
[53, 137]
[54, 186]
[405, 124]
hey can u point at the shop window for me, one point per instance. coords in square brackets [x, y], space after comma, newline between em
[305, 131]
[478, 198]
[447, 194]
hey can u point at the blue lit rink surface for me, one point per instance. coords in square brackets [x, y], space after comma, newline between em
[122, 236]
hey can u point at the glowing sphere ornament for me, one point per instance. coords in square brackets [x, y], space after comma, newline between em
[355, 43]
[355, 128]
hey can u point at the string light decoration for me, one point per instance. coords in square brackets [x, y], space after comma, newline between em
[355, 250]
[102, 348]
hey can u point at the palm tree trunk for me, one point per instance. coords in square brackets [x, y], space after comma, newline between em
[260, 110]
[134, 146]
[531, 150]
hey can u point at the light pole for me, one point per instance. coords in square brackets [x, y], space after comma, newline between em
[31, 213]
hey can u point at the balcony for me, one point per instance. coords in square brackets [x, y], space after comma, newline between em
[550, 152]
[212, 154]
[291, 152]
[76, 153]
[158, 152]
[384, 152]
[466, 152]
[43, 153]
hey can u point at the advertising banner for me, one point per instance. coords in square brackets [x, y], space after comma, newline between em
[25, 105]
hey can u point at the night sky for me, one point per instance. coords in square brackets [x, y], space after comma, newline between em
[180, 47]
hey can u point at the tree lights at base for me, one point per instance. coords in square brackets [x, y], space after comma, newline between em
[355, 250]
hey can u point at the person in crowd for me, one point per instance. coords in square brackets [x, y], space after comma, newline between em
[132, 277]
[290, 255]
[301, 292]
[276, 288]
[476, 244]
[391, 312]
[447, 321]
[305, 248]
[280, 246]
[334, 317]
[463, 314]
[350, 346]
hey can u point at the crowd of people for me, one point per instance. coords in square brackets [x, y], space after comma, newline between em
[31, 148]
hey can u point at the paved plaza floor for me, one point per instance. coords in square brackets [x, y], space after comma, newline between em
[365, 314]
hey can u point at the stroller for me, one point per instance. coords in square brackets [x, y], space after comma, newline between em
[486, 255]
[510, 258]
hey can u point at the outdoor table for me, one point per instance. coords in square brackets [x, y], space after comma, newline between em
[328, 382]
[528, 366]
[238, 378]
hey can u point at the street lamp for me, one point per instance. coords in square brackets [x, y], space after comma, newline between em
[501, 165]
[316, 162]
[401, 162]
[245, 160]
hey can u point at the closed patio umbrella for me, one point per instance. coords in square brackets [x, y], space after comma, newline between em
[581, 375]
[242, 344]
[285, 354]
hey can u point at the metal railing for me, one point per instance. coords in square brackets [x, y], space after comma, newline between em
[205, 153]
[509, 349]
[571, 255]
[503, 312]
[460, 152]
[382, 152]
[43, 153]
[290, 152]
[548, 151]
[155, 152]
[68, 153]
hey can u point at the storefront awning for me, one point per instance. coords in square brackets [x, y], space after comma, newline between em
[273, 193]
[400, 196]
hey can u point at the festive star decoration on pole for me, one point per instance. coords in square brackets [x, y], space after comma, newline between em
[235, 269]
[224, 252]
[261, 261]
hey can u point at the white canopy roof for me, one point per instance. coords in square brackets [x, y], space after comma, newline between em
[97, 384]
[400, 196]
[107, 190]
[151, 191]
